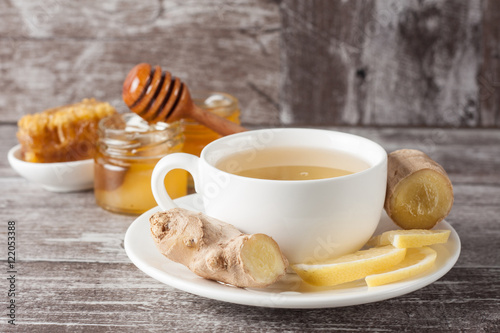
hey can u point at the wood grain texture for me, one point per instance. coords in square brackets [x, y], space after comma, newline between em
[72, 224]
[292, 62]
[384, 62]
[70, 227]
[74, 275]
[469, 155]
[126, 19]
[489, 77]
[61, 52]
[316, 83]
[101, 297]
[355, 63]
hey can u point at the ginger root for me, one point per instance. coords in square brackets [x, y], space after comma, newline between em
[216, 250]
[419, 192]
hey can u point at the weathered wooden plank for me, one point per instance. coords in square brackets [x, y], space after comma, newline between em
[469, 156]
[37, 76]
[475, 217]
[357, 63]
[74, 297]
[79, 53]
[62, 226]
[128, 19]
[71, 227]
[74, 276]
[382, 62]
[431, 77]
[489, 78]
[318, 39]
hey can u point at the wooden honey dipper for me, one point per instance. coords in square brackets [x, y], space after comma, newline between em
[158, 96]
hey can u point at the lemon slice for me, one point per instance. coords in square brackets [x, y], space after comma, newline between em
[351, 266]
[410, 238]
[417, 260]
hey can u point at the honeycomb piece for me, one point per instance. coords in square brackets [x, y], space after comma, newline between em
[66, 133]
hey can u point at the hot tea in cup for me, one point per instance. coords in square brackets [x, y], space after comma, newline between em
[318, 193]
[291, 163]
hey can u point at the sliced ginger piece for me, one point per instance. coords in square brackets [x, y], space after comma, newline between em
[410, 238]
[216, 250]
[350, 267]
[262, 258]
[416, 261]
[419, 192]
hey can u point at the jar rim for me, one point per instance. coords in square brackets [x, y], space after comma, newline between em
[127, 133]
[232, 101]
[132, 123]
[200, 98]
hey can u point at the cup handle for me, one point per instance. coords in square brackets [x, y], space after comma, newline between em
[184, 161]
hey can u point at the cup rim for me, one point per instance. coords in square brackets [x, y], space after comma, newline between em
[381, 160]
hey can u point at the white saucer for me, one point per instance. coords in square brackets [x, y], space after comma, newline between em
[289, 292]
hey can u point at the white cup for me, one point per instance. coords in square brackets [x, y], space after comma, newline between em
[311, 220]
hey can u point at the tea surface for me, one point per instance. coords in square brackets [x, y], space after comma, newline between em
[293, 172]
[291, 163]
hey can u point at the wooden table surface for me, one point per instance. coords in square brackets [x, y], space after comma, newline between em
[73, 274]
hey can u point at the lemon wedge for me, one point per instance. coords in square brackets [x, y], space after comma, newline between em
[410, 238]
[417, 260]
[350, 267]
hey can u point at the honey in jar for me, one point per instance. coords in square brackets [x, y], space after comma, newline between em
[197, 136]
[128, 149]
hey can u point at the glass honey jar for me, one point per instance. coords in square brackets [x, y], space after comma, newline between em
[197, 136]
[128, 149]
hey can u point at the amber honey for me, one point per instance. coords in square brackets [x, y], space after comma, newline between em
[197, 136]
[127, 152]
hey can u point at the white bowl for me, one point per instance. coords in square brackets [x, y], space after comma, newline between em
[54, 177]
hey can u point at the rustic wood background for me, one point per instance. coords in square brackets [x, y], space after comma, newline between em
[421, 74]
[74, 275]
[290, 62]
